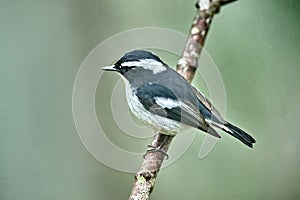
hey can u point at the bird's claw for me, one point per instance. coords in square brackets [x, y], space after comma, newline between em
[156, 149]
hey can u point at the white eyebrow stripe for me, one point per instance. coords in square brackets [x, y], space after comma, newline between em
[150, 64]
[166, 102]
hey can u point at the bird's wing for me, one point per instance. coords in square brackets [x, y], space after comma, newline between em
[162, 101]
[208, 105]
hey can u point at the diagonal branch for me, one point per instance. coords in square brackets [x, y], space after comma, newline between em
[145, 179]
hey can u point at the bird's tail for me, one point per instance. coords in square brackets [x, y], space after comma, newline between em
[235, 132]
[239, 134]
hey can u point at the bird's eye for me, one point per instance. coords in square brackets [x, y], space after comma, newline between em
[118, 66]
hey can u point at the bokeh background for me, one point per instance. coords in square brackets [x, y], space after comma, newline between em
[255, 45]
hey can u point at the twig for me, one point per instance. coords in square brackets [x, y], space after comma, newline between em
[188, 64]
[145, 179]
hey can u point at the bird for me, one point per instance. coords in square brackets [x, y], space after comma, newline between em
[163, 99]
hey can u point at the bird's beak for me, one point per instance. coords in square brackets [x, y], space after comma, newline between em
[109, 68]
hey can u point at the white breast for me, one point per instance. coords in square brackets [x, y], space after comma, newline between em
[158, 123]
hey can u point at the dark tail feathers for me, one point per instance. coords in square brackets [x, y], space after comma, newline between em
[240, 134]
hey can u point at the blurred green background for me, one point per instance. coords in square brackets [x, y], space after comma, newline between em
[254, 43]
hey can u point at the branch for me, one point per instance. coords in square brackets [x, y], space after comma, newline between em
[188, 64]
[145, 178]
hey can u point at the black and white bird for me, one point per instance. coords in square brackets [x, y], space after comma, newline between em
[162, 98]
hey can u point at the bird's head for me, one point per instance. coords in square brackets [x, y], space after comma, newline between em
[138, 65]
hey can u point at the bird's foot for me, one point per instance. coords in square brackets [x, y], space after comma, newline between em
[159, 148]
[156, 149]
